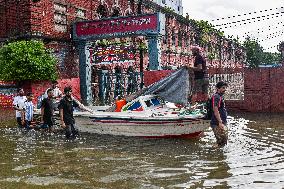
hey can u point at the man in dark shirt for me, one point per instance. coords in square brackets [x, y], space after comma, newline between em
[47, 111]
[201, 81]
[66, 106]
[219, 118]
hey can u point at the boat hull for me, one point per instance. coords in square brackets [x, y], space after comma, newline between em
[150, 128]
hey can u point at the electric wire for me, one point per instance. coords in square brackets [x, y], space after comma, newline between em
[250, 20]
[262, 29]
[245, 14]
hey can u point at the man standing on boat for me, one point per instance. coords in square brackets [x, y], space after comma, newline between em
[66, 107]
[219, 118]
[201, 80]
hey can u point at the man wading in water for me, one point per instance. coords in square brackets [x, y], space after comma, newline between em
[66, 106]
[219, 117]
[47, 111]
[18, 104]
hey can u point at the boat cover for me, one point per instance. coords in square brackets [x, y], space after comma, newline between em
[176, 88]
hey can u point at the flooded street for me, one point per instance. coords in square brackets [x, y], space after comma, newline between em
[253, 158]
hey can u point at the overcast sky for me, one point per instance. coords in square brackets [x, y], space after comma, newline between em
[213, 9]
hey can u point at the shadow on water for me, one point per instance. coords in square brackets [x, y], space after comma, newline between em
[252, 159]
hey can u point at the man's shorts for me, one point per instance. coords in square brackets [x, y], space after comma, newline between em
[71, 131]
[19, 121]
[28, 125]
[221, 135]
[46, 126]
[200, 86]
[48, 123]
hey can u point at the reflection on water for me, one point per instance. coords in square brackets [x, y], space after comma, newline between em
[252, 159]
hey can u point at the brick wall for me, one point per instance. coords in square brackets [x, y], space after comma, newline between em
[263, 90]
[39, 19]
[15, 17]
[32, 17]
[151, 77]
[37, 88]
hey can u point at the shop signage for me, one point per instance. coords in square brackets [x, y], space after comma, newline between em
[118, 26]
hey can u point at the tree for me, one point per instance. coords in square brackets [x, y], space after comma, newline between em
[254, 52]
[26, 60]
[256, 56]
[271, 58]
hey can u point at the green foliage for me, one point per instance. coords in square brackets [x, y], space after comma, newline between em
[26, 60]
[142, 46]
[211, 56]
[206, 28]
[254, 52]
[168, 10]
[256, 55]
[103, 43]
[271, 58]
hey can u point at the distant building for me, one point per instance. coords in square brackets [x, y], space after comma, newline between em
[175, 5]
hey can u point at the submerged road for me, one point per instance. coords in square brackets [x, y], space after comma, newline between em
[253, 159]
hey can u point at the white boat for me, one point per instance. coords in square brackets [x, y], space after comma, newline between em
[146, 116]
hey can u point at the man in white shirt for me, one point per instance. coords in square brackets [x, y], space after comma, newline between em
[57, 94]
[18, 104]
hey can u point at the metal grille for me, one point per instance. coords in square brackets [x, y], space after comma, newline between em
[108, 85]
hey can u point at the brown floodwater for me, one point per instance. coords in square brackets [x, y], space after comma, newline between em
[253, 158]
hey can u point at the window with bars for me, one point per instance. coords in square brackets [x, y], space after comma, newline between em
[102, 11]
[173, 38]
[80, 14]
[165, 38]
[179, 38]
[60, 17]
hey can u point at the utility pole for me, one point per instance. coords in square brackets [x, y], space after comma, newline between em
[280, 48]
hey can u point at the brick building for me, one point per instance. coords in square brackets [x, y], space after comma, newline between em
[52, 21]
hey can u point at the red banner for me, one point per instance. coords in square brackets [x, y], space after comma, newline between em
[117, 25]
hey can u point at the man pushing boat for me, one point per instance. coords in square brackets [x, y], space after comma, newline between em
[66, 107]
